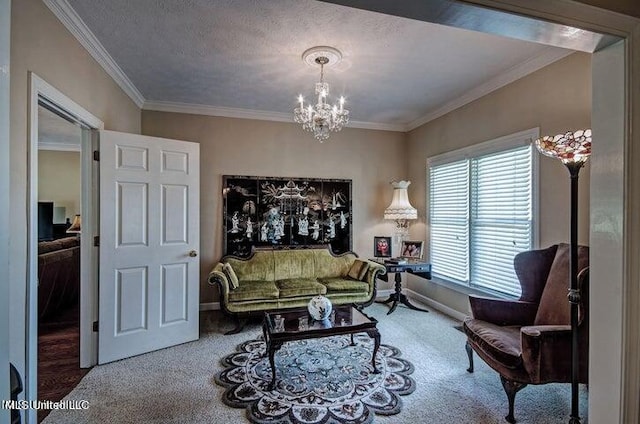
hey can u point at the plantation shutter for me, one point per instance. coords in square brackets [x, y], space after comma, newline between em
[449, 220]
[501, 217]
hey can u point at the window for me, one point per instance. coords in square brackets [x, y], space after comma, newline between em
[481, 208]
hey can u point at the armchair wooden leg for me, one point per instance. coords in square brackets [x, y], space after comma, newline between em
[511, 388]
[469, 350]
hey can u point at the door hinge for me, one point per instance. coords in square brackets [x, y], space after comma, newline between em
[95, 326]
[96, 155]
[96, 241]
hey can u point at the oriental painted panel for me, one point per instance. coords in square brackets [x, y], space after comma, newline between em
[273, 212]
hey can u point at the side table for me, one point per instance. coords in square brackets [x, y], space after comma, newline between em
[421, 269]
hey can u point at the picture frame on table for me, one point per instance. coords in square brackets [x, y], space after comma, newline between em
[382, 247]
[412, 249]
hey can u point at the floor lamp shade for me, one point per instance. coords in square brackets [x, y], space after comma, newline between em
[573, 149]
[570, 147]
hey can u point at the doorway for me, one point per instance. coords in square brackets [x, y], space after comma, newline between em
[59, 233]
[62, 285]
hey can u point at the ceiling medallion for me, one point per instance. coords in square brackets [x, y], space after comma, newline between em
[321, 118]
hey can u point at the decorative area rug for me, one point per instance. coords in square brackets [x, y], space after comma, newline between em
[318, 381]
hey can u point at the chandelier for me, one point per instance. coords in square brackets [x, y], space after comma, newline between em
[321, 118]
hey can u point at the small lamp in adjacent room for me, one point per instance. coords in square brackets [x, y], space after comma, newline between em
[75, 226]
[573, 150]
[400, 210]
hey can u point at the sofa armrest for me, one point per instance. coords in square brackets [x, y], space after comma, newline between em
[375, 269]
[503, 311]
[546, 352]
[217, 276]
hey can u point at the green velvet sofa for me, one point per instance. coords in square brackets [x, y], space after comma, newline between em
[280, 279]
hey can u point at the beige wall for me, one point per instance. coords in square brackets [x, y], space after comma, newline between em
[251, 147]
[59, 179]
[41, 44]
[555, 99]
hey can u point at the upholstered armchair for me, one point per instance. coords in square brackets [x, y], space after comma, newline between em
[528, 341]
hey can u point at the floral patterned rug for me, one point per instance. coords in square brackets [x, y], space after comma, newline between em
[318, 381]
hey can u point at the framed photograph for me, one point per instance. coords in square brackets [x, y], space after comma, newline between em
[382, 247]
[411, 249]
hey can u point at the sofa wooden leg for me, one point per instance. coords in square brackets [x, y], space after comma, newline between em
[240, 323]
[469, 350]
[511, 388]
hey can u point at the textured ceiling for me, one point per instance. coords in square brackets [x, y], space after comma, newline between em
[246, 54]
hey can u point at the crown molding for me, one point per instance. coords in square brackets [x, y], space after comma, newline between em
[229, 112]
[545, 58]
[70, 19]
[378, 126]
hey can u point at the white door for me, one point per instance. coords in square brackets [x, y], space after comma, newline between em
[149, 239]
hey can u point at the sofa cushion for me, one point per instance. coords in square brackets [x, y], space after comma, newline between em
[254, 290]
[293, 264]
[259, 267]
[59, 244]
[358, 269]
[344, 285]
[327, 265]
[231, 276]
[296, 287]
[499, 342]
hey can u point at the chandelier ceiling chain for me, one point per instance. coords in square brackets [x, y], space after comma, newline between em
[321, 118]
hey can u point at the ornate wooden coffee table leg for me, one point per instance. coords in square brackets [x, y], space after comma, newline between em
[375, 335]
[271, 351]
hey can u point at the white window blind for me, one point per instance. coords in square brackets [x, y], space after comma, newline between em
[500, 217]
[449, 215]
[481, 213]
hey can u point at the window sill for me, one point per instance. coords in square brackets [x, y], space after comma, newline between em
[466, 290]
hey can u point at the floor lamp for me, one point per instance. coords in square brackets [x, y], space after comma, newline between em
[573, 149]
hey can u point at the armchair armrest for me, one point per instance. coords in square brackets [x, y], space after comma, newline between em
[546, 352]
[503, 311]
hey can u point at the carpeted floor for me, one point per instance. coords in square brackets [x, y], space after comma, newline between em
[176, 385]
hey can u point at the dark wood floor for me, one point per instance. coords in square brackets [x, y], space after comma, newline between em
[58, 358]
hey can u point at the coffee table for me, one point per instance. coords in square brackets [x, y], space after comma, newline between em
[348, 320]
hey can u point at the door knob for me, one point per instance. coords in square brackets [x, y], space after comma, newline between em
[193, 253]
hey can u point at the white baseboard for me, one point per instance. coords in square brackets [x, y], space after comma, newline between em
[210, 306]
[383, 294]
[435, 305]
